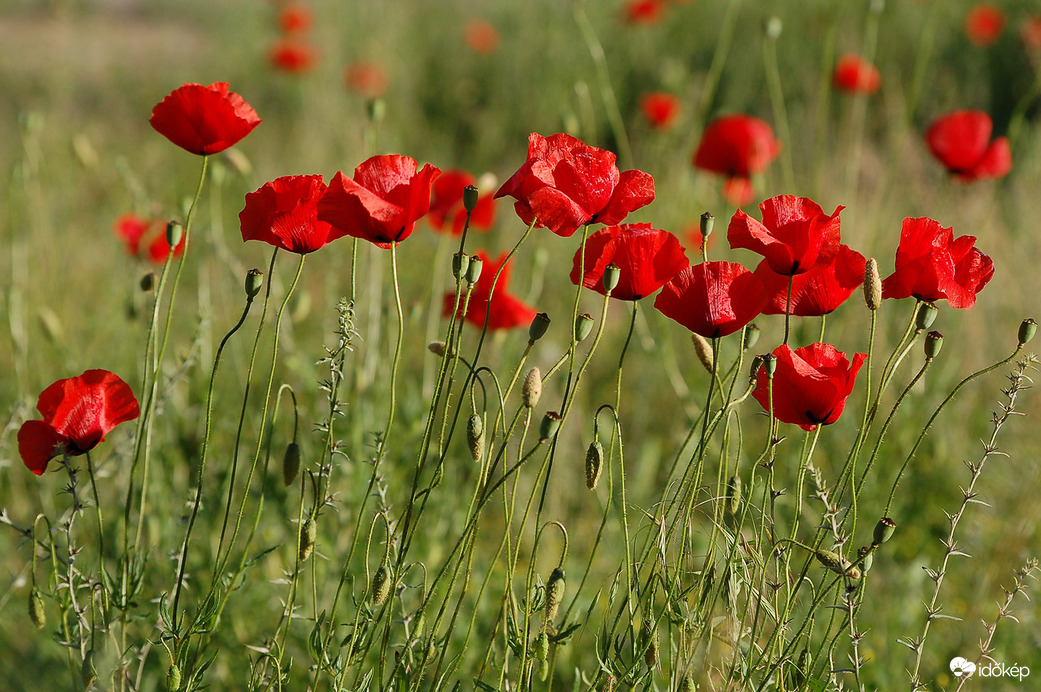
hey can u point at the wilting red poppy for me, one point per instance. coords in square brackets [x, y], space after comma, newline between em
[932, 264]
[383, 201]
[816, 292]
[446, 208]
[855, 74]
[284, 213]
[366, 78]
[810, 386]
[504, 311]
[660, 108]
[295, 17]
[480, 35]
[134, 230]
[712, 299]
[293, 55]
[77, 414]
[984, 24]
[794, 235]
[565, 183]
[644, 11]
[961, 142]
[737, 146]
[646, 257]
[204, 119]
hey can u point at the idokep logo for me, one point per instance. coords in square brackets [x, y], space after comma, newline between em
[965, 668]
[960, 667]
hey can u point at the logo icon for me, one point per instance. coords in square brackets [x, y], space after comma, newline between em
[960, 667]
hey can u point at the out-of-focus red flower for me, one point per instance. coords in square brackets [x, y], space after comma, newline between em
[295, 17]
[738, 192]
[382, 202]
[736, 146]
[984, 24]
[1030, 33]
[446, 208]
[855, 74]
[134, 230]
[503, 310]
[795, 233]
[810, 386]
[644, 11]
[204, 119]
[818, 291]
[293, 55]
[961, 142]
[712, 299]
[367, 78]
[77, 414]
[932, 264]
[565, 183]
[660, 108]
[646, 257]
[284, 213]
[481, 36]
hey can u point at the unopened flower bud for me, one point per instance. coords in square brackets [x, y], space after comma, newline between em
[872, 285]
[707, 222]
[867, 557]
[612, 273]
[538, 327]
[254, 281]
[174, 234]
[649, 642]
[88, 673]
[473, 270]
[583, 325]
[173, 678]
[147, 282]
[440, 348]
[470, 195]
[308, 534]
[554, 593]
[703, 349]
[734, 495]
[926, 315]
[550, 425]
[531, 391]
[933, 343]
[379, 589]
[1026, 331]
[290, 463]
[837, 563]
[475, 436]
[460, 264]
[542, 646]
[752, 333]
[37, 613]
[594, 463]
[883, 530]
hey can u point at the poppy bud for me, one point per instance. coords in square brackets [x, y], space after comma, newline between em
[933, 342]
[703, 349]
[440, 348]
[866, 557]
[173, 678]
[550, 425]
[542, 646]
[174, 233]
[88, 674]
[583, 325]
[926, 315]
[612, 273]
[473, 269]
[752, 333]
[470, 197]
[460, 264]
[554, 593]
[594, 463]
[649, 640]
[883, 530]
[475, 436]
[308, 534]
[773, 28]
[147, 282]
[379, 589]
[36, 610]
[290, 463]
[837, 563]
[531, 392]
[734, 495]
[1026, 331]
[538, 327]
[254, 280]
[707, 221]
[872, 285]
[544, 670]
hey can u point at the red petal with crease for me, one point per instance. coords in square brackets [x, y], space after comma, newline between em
[810, 386]
[204, 119]
[646, 257]
[712, 299]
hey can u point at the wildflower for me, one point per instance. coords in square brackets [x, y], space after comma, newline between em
[810, 385]
[295, 17]
[712, 299]
[646, 258]
[736, 146]
[661, 109]
[367, 78]
[961, 142]
[566, 183]
[856, 75]
[795, 233]
[204, 119]
[503, 310]
[816, 292]
[481, 36]
[77, 414]
[1030, 33]
[932, 264]
[293, 55]
[447, 211]
[284, 213]
[382, 202]
[133, 230]
[984, 24]
[644, 11]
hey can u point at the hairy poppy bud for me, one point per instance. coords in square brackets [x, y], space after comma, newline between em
[872, 285]
[475, 436]
[470, 195]
[866, 556]
[1026, 331]
[594, 463]
[147, 282]
[379, 589]
[752, 333]
[440, 348]
[837, 563]
[583, 325]
[933, 343]
[703, 349]
[883, 530]
[554, 593]
[473, 269]
[707, 221]
[549, 426]
[531, 391]
[308, 534]
[460, 264]
[36, 610]
[542, 646]
[173, 678]
[254, 281]
[290, 463]
[612, 274]
[734, 495]
[539, 325]
[926, 315]
[649, 640]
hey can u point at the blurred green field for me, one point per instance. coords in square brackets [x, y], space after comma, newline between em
[79, 80]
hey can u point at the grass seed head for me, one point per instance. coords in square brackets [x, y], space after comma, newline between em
[687, 683]
[838, 564]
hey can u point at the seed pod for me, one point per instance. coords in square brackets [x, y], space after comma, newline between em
[460, 263]
[583, 325]
[473, 270]
[549, 426]
[174, 234]
[594, 463]
[872, 285]
[612, 274]
[542, 646]
[933, 343]
[867, 557]
[1027, 330]
[649, 644]
[290, 463]
[379, 590]
[253, 283]
[734, 495]
[537, 328]
[926, 315]
[173, 678]
[703, 349]
[88, 674]
[707, 221]
[752, 332]
[308, 534]
[883, 530]
[554, 593]
[470, 195]
[37, 613]
[475, 436]
[531, 392]
[147, 282]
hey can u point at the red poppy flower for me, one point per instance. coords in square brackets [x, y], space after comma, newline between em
[134, 230]
[736, 146]
[660, 108]
[961, 142]
[566, 183]
[810, 386]
[503, 310]
[1030, 33]
[383, 201]
[446, 208]
[646, 257]
[816, 292]
[480, 35]
[204, 119]
[738, 192]
[77, 414]
[366, 78]
[293, 55]
[932, 264]
[794, 235]
[712, 299]
[644, 11]
[984, 24]
[284, 213]
[855, 74]
[295, 17]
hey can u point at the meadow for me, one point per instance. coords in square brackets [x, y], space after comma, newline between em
[340, 454]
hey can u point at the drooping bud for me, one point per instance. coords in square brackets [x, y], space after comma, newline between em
[883, 530]
[649, 643]
[549, 426]
[926, 315]
[933, 344]
[707, 222]
[254, 281]
[473, 269]
[147, 282]
[752, 333]
[379, 589]
[470, 196]
[538, 327]
[612, 273]
[554, 593]
[440, 348]
[734, 495]
[583, 325]
[838, 564]
[1027, 330]
[173, 678]
[872, 285]
[290, 463]
[531, 391]
[475, 436]
[308, 534]
[88, 673]
[37, 613]
[703, 349]
[594, 463]
[866, 556]
[174, 233]
[460, 264]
